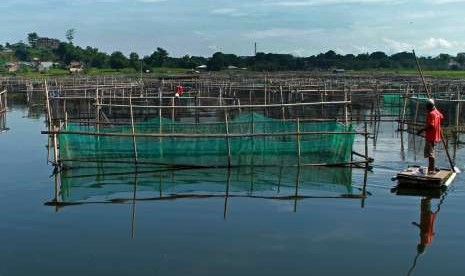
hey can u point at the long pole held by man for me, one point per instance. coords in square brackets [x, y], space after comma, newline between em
[441, 135]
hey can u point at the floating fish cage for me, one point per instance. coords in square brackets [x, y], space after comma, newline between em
[210, 124]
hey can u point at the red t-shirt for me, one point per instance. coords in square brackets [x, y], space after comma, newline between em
[180, 89]
[433, 121]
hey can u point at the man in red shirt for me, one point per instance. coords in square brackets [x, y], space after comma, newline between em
[432, 131]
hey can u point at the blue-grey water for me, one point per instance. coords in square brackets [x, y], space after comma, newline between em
[183, 224]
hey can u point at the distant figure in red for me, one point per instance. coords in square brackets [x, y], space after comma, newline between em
[426, 225]
[179, 91]
[432, 131]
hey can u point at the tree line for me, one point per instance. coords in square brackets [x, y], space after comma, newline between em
[92, 57]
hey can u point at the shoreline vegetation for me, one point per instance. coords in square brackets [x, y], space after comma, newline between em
[42, 57]
[182, 71]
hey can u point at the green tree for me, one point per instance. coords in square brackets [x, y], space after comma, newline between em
[21, 52]
[118, 60]
[216, 62]
[461, 59]
[134, 61]
[70, 35]
[32, 39]
[158, 58]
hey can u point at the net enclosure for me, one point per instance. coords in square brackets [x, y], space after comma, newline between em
[214, 123]
[250, 139]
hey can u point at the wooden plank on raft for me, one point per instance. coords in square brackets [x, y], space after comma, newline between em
[412, 177]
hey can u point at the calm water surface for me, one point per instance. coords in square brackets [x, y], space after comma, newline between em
[254, 231]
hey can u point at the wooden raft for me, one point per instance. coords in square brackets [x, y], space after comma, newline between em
[411, 177]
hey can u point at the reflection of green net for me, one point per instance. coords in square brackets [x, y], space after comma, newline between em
[111, 183]
[212, 151]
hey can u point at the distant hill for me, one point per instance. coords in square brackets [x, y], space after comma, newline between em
[63, 53]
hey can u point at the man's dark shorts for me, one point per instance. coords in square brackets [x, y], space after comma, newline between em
[429, 149]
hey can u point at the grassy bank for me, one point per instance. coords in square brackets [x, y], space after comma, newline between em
[434, 73]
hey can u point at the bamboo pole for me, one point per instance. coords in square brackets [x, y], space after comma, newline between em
[298, 141]
[283, 116]
[47, 104]
[346, 110]
[55, 151]
[451, 163]
[172, 109]
[228, 137]
[134, 144]
[51, 138]
[457, 115]
[234, 106]
[97, 110]
[189, 135]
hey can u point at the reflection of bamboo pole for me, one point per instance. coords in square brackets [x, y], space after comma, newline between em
[364, 188]
[297, 184]
[366, 144]
[134, 198]
[58, 196]
[280, 177]
[226, 195]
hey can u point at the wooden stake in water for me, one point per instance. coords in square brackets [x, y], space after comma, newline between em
[228, 138]
[134, 144]
[298, 141]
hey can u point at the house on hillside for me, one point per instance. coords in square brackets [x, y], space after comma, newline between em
[76, 67]
[45, 66]
[6, 52]
[45, 42]
[453, 64]
[12, 67]
[338, 71]
[42, 66]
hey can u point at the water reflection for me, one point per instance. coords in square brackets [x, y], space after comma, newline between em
[427, 218]
[3, 125]
[122, 185]
[426, 225]
[104, 184]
